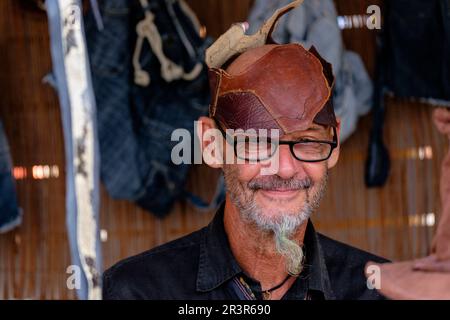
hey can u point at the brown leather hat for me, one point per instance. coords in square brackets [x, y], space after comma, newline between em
[258, 84]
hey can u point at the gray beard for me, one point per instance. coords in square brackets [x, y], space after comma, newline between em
[284, 226]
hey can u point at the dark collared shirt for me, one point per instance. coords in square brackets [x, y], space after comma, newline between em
[202, 266]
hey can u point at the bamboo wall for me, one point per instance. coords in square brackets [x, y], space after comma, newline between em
[34, 257]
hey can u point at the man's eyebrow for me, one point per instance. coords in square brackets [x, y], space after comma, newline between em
[314, 129]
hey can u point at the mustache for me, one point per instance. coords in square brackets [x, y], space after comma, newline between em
[277, 183]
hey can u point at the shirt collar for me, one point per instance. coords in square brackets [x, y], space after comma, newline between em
[218, 265]
[316, 270]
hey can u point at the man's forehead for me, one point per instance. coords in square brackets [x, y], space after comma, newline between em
[316, 128]
[312, 129]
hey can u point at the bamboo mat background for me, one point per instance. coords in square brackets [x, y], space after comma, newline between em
[33, 258]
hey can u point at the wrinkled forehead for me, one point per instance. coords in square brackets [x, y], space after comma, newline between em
[315, 131]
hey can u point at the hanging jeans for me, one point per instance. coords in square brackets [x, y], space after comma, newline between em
[138, 106]
[418, 48]
[73, 82]
[10, 213]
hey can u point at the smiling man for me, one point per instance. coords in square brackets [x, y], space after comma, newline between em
[261, 243]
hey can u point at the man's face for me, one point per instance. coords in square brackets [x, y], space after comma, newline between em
[279, 203]
[286, 197]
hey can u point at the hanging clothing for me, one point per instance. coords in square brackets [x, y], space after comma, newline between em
[10, 213]
[315, 23]
[413, 61]
[73, 83]
[418, 48]
[149, 79]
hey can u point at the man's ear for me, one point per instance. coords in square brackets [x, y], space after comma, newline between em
[332, 161]
[211, 142]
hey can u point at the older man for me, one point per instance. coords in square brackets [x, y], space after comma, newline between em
[278, 137]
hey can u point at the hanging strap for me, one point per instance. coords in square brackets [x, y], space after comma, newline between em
[97, 14]
[77, 103]
[147, 29]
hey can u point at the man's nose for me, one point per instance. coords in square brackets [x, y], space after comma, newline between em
[288, 165]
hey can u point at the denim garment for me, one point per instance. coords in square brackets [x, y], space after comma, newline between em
[418, 48]
[10, 213]
[315, 23]
[135, 122]
[201, 265]
[73, 83]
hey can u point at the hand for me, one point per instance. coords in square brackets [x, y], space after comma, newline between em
[441, 118]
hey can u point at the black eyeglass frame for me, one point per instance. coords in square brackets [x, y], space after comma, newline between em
[334, 144]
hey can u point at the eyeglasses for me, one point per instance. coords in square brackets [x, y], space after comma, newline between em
[255, 148]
